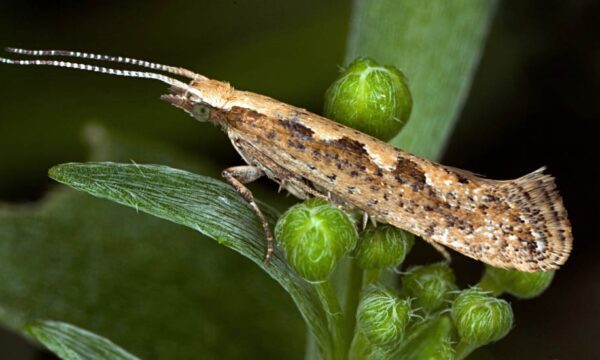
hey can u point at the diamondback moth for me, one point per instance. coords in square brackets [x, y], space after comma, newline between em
[517, 224]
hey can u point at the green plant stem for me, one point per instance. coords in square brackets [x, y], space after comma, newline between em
[371, 276]
[312, 349]
[355, 282]
[360, 347]
[428, 339]
[463, 350]
[335, 318]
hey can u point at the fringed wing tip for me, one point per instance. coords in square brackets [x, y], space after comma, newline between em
[542, 206]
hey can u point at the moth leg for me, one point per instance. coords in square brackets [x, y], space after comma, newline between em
[373, 221]
[237, 176]
[302, 187]
[365, 220]
[281, 186]
[439, 248]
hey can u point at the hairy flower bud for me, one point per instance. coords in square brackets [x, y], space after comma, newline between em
[314, 236]
[480, 318]
[430, 286]
[520, 284]
[382, 247]
[382, 317]
[369, 97]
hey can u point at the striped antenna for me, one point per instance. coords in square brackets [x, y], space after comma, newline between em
[104, 70]
[118, 59]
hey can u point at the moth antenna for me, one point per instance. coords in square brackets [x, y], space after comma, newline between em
[118, 59]
[110, 71]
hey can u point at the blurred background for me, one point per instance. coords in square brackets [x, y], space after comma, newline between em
[534, 102]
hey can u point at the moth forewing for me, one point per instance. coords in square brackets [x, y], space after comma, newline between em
[519, 224]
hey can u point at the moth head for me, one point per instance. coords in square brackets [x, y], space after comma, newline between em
[201, 97]
[193, 104]
[201, 112]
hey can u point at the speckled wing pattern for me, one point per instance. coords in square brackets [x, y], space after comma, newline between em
[519, 224]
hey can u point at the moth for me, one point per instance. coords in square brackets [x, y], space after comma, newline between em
[517, 224]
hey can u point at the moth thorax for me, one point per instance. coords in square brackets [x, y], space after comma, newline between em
[215, 93]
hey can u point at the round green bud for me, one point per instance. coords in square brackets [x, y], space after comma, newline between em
[431, 286]
[315, 235]
[523, 285]
[382, 317]
[371, 98]
[383, 246]
[480, 318]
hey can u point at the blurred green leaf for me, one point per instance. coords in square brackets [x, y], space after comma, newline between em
[72, 343]
[437, 44]
[157, 289]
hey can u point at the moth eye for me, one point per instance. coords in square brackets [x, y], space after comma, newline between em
[200, 112]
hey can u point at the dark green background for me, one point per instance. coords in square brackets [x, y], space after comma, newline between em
[537, 89]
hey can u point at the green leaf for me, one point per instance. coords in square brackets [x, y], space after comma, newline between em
[437, 44]
[158, 289]
[209, 206]
[72, 343]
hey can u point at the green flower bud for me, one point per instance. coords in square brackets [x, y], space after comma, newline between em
[382, 317]
[369, 97]
[314, 236]
[523, 285]
[382, 247]
[431, 286]
[480, 318]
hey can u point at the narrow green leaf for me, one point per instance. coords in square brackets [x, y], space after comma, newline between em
[72, 343]
[437, 43]
[211, 207]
